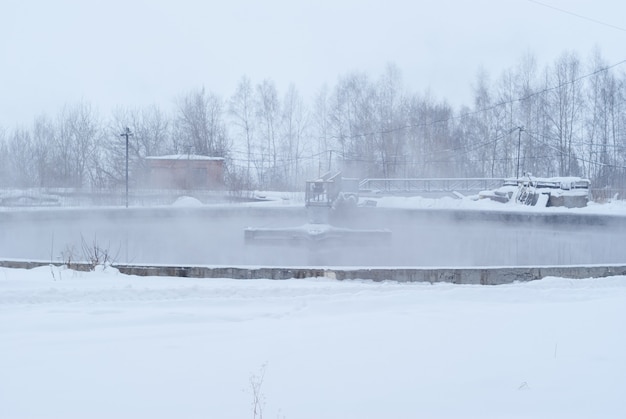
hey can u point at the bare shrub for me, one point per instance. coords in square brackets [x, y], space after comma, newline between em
[88, 256]
[94, 254]
[258, 399]
[68, 256]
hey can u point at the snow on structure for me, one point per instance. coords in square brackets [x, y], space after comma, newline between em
[570, 192]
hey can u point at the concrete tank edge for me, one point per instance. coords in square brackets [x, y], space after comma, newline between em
[454, 275]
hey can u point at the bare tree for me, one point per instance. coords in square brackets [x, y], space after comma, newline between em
[352, 123]
[575, 124]
[564, 106]
[43, 139]
[603, 143]
[242, 112]
[295, 122]
[151, 137]
[4, 160]
[434, 128]
[22, 164]
[200, 126]
[534, 157]
[77, 137]
[321, 125]
[391, 122]
[152, 131]
[268, 116]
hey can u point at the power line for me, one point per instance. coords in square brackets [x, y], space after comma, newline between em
[574, 156]
[481, 110]
[599, 22]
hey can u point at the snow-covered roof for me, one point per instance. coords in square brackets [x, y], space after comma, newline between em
[184, 157]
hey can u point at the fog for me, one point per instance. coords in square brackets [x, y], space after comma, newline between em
[136, 53]
[215, 236]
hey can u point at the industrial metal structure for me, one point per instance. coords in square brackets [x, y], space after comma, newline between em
[329, 192]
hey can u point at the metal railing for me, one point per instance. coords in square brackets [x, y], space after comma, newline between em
[405, 185]
[71, 197]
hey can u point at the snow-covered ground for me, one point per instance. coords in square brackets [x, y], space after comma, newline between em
[610, 207]
[613, 207]
[106, 345]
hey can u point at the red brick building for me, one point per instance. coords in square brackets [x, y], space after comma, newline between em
[185, 172]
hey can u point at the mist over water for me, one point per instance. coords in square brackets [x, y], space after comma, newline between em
[215, 236]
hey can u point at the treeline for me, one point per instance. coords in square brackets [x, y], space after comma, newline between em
[565, 119]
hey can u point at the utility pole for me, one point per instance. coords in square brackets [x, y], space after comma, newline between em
[330, 158]
[126, 134]
[519, 146]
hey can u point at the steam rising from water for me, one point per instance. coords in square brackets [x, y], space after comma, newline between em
[215, 236]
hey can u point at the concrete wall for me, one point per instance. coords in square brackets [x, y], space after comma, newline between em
[482, 276]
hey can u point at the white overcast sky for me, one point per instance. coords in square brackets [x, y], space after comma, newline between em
[137, 53]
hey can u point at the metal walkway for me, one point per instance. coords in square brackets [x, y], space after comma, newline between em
[414, 185]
